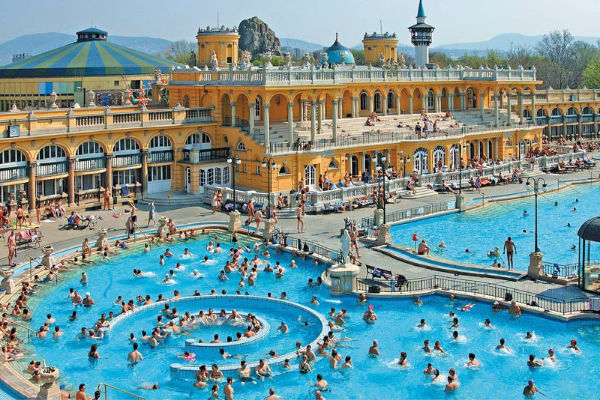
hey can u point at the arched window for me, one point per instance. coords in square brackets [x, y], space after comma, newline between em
[571, 111]
[390, 100]
[50, 154]
[13, 158]
[541, 113]
[284, 170]
[556, 112]
[201, 140]
[333, 165]
[527, 114]
[454, 157]
[160, 142]
[439, 157]
[126, 146]
[241, 146]
[431, 100]
[186, 101]
[377, 102]
[364, 101]
[587, 111]
[421, 160]
[257, 106]
[89, 150]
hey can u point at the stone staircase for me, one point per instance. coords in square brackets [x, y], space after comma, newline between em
[473, 117]
[420, 192]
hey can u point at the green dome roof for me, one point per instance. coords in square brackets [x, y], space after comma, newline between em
[91, 55]
[334, 53]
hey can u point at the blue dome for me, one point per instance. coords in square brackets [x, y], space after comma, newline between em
[334, 53]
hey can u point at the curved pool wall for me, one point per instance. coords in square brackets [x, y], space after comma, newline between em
[482, 228]
[438, 264]
[265, 328]
[237, 302]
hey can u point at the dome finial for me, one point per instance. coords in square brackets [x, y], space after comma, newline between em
[336, 37]
[421, 13]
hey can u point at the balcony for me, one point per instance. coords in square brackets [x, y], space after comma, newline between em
[197, 156]
[14, 173]
[571, 119]
[90, 164]
[162, 156]
[129, 160]
[49, 169]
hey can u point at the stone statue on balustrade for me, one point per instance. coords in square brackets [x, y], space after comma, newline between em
[213, 63]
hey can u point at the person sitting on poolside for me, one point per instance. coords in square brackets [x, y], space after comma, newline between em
[423, 249]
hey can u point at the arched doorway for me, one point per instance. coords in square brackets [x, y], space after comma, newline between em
[471, 98]
[454, 157]
[421, 161]
[354, 166]
[159, 176]
[439, 158]
[431, 101]
[378, 103]
[310, 173]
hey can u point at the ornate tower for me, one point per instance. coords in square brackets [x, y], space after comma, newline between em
[377, 45]
[222, 41]
[421, 37]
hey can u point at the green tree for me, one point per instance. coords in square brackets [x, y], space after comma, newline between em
[585, 53]
[260, 60]
[359, 56]
[591, 74]
[558, 47]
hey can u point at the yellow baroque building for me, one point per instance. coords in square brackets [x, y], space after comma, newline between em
[307, 120]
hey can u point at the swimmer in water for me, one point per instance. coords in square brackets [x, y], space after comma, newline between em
[442, 245]
[502, 346]
[374, 349]
[468, 251]
[568, 224]
[573, 346]
[574, 209]
[555, 203]
[533, 363]
[551, 356]
[528, 336]
[473, 362]
[422, 324]
[525, 213]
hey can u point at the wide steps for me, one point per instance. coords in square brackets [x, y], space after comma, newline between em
[419, 193]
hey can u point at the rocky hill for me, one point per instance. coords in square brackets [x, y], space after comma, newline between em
[256, 37]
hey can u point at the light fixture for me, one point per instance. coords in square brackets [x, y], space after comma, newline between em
[264, 164]
[229, 160]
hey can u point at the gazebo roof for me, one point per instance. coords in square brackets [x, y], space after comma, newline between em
[590, 230]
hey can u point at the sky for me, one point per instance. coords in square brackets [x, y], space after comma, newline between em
[311, 20]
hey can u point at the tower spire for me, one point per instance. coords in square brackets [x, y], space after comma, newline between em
[421, 12]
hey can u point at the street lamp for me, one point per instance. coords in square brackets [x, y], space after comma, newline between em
[405, 159]
[269, 163]
[382, 169]
[234, 161]
[459, 147]
[536, 186]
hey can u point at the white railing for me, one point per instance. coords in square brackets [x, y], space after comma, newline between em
[342, 74]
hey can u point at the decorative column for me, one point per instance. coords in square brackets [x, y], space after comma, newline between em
[290, 123]
[145, 172]
[533, 109]
[425, 102]
[108, 178]
[438, 104]
[463, 103]
[410, 104]
[496, 111]
[32, 195]
[320, 120]
[233, 104]
[354, 108]
[521, 109]
[398, 111]
[451, 102]
[71, 182]
[384, 104]
[334, 119]
[371, 105]
[549, 128]
[481, 105]
[363, 160]
[595, 119]
[313, 124]
[252, 106]
[267, 127]
[341, 108]
[302, 109]
[509, 109]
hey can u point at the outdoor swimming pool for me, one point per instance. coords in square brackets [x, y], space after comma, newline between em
[395, 330]
[483, 229]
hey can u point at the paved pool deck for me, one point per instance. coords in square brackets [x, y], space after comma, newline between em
[324, 229]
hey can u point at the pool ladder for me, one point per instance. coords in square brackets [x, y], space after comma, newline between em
[104, 387]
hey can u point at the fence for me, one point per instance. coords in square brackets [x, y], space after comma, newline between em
[501, 292]
[401, 215]
[563, 271]
[307, 246]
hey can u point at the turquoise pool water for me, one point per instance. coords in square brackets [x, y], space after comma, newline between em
[395, 330]
[483, 229]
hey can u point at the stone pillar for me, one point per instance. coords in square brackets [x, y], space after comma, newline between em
[48, 259]
[354, 107]
[145, 172]
[564, 125]
[363, 161]
[71, 182]
[313, 123]
[341, 108]
[334, 119]
[101, 242]
[383, 237]
[235, 223]
[162, 229]
[496, 111]
[268, 229]
[481, 105]
[384, 104]
[320, 120]
[291, 123]
[32, 188]
[533, 109]
[461, 205]
[49, 388]
[251, 116]
[398, 103]
[425, 102]
[267, 127]
[108, 179]
[233, 112]
[377, 216]
[496, 156]
[536, 265]
[411, 107]
[595, 119]
[343, 278]
[301, 102]
[521, 109]
[371, 105]
[451, 102]
[438, 103]
[509, 109]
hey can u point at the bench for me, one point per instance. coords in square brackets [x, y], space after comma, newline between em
[377, 272]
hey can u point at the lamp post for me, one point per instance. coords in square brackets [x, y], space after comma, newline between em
[234, 161]
[381, 169]
[269, 163]
[536, 187]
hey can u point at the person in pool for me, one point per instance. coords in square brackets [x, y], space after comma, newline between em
[283, 327]
[451, 386]
[533, 363]
[473, 362]
[403, 362]
[429, 370]
[374, 349]
[551, 355]
[530, 389]
[502, 346]
[573, 346]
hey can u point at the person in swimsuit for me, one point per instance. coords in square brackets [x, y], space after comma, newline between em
[12, 248]
[300, 226]
[20, 216]
[510, 248]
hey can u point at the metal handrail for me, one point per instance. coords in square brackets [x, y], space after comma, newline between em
[105, 391]
[28, 329]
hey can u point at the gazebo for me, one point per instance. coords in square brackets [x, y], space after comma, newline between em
[589, 268]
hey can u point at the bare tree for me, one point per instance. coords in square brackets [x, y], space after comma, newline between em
[180, 51]
[558, 47]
